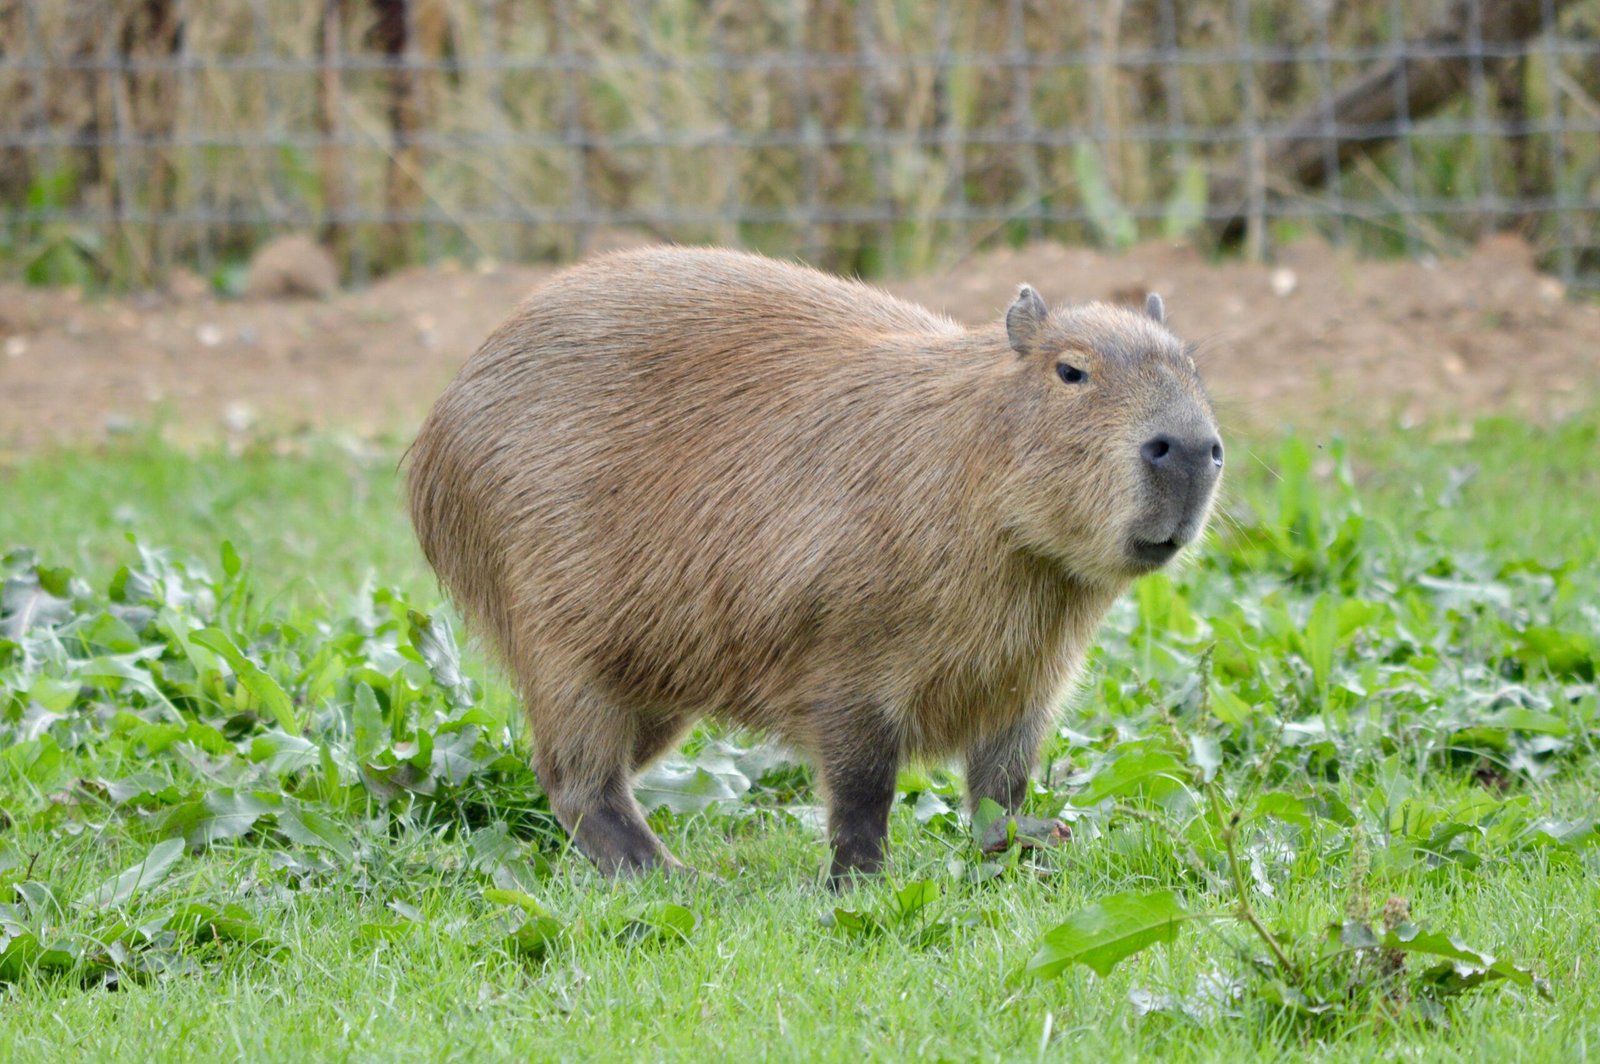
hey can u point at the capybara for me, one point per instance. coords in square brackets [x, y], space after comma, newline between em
[683, 482]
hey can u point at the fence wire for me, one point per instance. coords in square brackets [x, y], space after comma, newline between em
[868, 135]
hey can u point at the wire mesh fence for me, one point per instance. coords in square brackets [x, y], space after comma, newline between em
[867, 135]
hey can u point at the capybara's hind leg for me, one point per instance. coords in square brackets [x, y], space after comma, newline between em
[584, 767]
[608, 826]
[654, 735]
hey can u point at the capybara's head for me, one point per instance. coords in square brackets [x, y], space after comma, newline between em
[1117, 453]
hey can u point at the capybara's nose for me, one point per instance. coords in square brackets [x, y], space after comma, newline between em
[1174, 459]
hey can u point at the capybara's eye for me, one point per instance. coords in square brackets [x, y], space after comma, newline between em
[1070, 374]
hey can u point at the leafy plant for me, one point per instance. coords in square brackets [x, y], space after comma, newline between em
[1335, 704]
[1343, 973]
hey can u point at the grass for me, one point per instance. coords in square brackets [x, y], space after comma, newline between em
[1389, 648]
[315, 524]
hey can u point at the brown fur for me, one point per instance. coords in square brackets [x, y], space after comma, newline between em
[683, 482]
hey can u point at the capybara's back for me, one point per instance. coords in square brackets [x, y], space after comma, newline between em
[682, 482]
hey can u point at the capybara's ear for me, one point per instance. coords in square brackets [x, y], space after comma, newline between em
[1155, 309]
[1024, 320]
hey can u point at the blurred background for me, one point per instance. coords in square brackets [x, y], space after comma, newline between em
[875, 136]
[1366, 203]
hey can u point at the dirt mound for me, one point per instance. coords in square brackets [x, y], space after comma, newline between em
[292, 266]
[1317, 335]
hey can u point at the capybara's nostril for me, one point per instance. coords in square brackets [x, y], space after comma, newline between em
[1174, 457]
[1155, 450]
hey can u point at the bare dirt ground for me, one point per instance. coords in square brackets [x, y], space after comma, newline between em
[1317, 336]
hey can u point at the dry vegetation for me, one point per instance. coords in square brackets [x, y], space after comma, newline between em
[492, 128]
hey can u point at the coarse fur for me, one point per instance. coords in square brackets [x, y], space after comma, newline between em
[684, 482]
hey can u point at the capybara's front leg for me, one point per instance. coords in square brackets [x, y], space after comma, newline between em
[1000, 763]
[998, 768]
[860, 755]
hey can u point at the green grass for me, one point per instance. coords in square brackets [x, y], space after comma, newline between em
[1391, 644]
[313, 526]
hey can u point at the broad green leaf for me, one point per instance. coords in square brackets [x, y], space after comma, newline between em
[272, 696]
[526, 902]
[113, 672]
[661, 922]
[1573, 834]
[207, 738]
[1567, 653]
[218, 816]
[389, 782]
[144, 876]
[373, 931]
[912, 898]
[1283, 806]
[491, 845]
[1409, 938]
[142, 788]
[1133, 772]
[20, 954]
[282, 753]
[853, 921]
[203, 923]
[687, 788]
[536, 932]
[1533, 721]
[311, 828]
[54, 693]
[266, 690]
[40, 900]
[988, 813]
[230, 560]
[929, 807]
[367, 722]
[1109, 931]
[1320, 638]
[1228, 707]
[455, 756]
[26, 606]
[433, 639]
[38, 761]
[1464, 969]
[534, 937]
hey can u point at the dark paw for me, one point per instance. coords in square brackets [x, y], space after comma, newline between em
[1030, 833]
[849, 869]
[843, 879]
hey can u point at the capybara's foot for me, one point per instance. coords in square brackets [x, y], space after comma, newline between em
[609, 828]
[859, 767]
[857, 864]
[1025, 832]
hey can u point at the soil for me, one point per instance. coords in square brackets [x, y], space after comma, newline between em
[1315, 337]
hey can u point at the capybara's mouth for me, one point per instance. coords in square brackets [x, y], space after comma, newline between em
[1154, 555]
